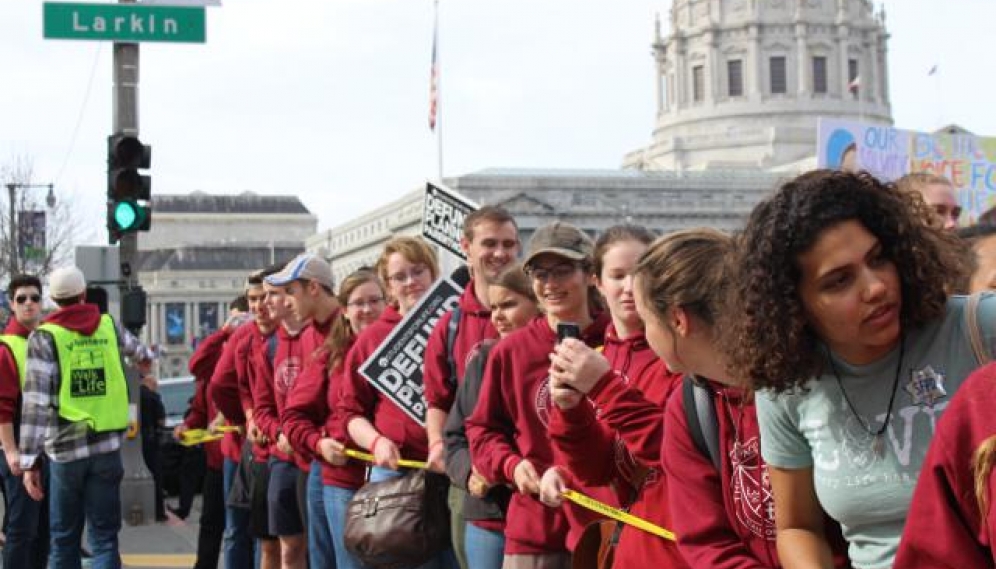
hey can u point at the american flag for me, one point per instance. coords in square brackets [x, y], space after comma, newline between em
[434, 79]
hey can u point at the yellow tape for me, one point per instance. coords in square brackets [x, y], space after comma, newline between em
[228, 428]
[366, 456]
[192, 437]
[616, 514]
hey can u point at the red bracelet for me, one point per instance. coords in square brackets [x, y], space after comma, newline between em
[373, 445]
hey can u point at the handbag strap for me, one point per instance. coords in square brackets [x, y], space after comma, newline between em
[979, 348]
[639, 479]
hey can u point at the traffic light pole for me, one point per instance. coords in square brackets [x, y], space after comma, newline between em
[137, 489]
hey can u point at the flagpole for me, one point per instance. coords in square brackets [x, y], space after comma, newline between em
[439, 88]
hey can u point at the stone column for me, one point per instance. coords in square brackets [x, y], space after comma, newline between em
[802, 55]
[752, 68]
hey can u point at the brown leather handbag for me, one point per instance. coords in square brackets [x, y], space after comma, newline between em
[595, 549]
[401, 522]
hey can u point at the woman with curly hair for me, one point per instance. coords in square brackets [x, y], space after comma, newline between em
[842, 316]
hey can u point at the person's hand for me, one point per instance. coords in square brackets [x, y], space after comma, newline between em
[563, 395]
[178, 431]
[235, 321]
[385, 452]
[13, 461]
[331, 451]
[283, 445]
[551, 487]
[575, 364]
[525, 478]
[216, 423]
[255, 434]
[477, 485]
[33, 484]
[437, 457]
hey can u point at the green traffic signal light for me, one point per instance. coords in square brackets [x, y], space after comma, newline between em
[126, 215]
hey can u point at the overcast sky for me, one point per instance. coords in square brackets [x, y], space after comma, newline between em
[327, 99]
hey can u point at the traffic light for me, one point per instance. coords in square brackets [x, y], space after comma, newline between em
[128, 192]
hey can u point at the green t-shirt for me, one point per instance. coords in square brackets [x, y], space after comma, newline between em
[868, 489]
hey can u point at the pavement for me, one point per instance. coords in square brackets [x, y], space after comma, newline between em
[158, 545]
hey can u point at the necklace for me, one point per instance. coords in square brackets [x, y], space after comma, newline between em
[878, 443]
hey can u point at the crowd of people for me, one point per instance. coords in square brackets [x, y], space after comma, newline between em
[812, 391]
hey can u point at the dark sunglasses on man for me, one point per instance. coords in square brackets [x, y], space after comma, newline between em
[22, 298]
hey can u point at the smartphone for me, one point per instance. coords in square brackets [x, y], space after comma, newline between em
[568, 330]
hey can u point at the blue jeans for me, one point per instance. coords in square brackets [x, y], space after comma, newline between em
[445, 559]
[27, 522]
[336, 501]
[238, 543]
[321, 552]
[485, 549]
[91, 488]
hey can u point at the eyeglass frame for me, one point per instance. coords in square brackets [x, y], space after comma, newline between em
[544, 274]
[403, 277]
[23, 298]
[366, 302]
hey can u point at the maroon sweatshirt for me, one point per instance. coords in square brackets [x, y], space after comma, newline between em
[229, 389]
[271, 382]
[202, 411]
[723, 520]
[10, 381]
[628, 423]
[358, 398]
[944, 526]
[474, 327]
[307, 415]
[510, 424]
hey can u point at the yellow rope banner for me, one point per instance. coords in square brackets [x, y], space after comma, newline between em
[193, 437]
[617, 514]
[366, 456]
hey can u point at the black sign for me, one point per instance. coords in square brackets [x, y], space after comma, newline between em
[442, 217]
[395, 368]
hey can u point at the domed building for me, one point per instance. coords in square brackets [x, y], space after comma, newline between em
[741, 83]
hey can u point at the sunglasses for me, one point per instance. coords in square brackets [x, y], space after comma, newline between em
[22, 298]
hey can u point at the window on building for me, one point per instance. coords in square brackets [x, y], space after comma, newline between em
[853, 77]
[698, 83]
[820, 74]
[735, 78]
[779, 82]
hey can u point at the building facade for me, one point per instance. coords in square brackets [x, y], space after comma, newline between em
[195, 260]
[741, 83]
[591, 199]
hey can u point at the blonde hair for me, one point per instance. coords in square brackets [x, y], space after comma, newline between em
[414, 250]
[983, 460]
[688, 269]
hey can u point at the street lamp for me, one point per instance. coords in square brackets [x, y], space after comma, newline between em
[12, 188]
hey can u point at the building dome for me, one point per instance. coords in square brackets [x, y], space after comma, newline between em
[741, 83]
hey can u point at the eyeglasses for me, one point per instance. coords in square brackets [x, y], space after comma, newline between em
[403, 277]
[557, 273]
[366, 302]
[22, 298]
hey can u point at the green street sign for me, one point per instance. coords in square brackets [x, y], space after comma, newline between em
[124, 22]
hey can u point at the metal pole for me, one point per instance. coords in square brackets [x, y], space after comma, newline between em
[11, 196]
[137, 489]
[439, 91]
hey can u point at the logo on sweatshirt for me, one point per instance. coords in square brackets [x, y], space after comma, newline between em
[752, 498]
[286, 374]
[543, 401]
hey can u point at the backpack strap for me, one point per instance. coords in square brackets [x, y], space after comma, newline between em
[979, 348]
[701, 417]
[451, 333]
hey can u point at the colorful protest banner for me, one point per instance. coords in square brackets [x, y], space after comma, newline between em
[443, 215]
[889, 153]
[395, 367]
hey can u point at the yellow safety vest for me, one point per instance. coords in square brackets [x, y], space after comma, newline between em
[19, 348]
[93, 386]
